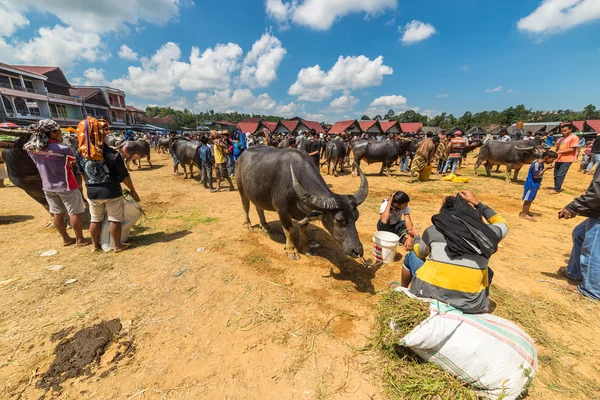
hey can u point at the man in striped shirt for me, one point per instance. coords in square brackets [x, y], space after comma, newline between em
[457, 144]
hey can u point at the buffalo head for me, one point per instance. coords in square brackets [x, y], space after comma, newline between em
[338, 213]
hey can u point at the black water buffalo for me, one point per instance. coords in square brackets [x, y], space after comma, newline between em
[162, 145]
[288, 182]
[335, 151]
[135, 150]
[385, 152]
[187, 153]
[512, 154]
[113, 141]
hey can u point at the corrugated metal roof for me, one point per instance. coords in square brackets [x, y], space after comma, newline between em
[579, 125]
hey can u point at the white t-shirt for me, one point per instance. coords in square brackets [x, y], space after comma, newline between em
[395, 215]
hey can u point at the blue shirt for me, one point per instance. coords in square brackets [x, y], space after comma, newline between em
[205, 154]
[550, 141]
[533, 183]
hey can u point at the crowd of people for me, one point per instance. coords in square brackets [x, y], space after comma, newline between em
[447, 261]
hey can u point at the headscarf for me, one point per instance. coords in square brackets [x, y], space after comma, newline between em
[40, 134]
[91, 133]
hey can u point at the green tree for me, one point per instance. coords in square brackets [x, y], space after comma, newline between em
[365, 118]
[390, 114]
[590, 112]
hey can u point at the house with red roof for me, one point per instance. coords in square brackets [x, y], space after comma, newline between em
[351, 126]
[372, 128]
[407, 127]
[23, 96]
[592, 125]
[133, 116]
[390, 127]
[94, 103]
[251, 125]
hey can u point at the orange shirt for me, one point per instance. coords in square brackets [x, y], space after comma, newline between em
[570, 142]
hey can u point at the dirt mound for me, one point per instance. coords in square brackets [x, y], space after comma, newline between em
[74, 356]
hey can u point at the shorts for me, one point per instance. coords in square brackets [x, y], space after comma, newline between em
[529, 195]
[70, 202]
[113, 207]
[222, 171]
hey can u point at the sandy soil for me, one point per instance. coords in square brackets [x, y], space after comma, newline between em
[243, 322]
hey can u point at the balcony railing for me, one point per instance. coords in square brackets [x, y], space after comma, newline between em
[22, 89]
[60, 96]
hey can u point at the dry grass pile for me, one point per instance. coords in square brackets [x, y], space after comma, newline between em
[406, 375]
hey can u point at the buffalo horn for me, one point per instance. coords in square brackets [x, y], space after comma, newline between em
[363, 191]
[528, 148]
[318, 203]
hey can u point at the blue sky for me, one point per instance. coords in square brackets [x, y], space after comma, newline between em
[261, 55]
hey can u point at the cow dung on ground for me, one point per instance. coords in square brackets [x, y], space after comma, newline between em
[77, 355]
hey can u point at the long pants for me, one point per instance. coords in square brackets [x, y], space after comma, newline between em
[594, 162]
[560, 172]
[230, 164]
[452, 162]
[207, 179]
[584, 263]
[440, 166]
[404, 163]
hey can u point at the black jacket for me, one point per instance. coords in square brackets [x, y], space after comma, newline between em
[596, 146]
[588, 204]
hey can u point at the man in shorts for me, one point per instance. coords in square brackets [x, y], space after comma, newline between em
[220, 154]
[103, 180]
[53, 161]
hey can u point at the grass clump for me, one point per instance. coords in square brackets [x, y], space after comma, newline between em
[406, 376]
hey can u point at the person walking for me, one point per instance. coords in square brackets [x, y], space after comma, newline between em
[534, 182]
[104, 170]
[206, 157]
[567, 153]
[53, 160]
[594, 156]
[172, 144]
[457, 144]
[584, 262]
[220, 151]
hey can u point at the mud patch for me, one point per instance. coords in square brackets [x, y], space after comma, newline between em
[75, 356]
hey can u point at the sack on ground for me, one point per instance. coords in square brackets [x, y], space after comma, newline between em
[487, 352]
[425, 174]
[131, 214]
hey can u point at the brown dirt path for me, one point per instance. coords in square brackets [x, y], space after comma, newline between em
[242, 321]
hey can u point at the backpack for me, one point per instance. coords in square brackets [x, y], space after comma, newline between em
[91, 133]
[96, 172]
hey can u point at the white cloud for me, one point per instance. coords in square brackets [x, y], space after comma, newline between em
[180, 103]
[348, 73]
[416, 31]
[315, 117]
[242, 100]
[442, 96]
[389, 101]
[262, 61]
[554, 16]
[431, 113]
[94, 77]
[343, 103]
[321, 14]
[126, 53]
[58, 46]
[212, 69]
[99, 16]
[12, 20]
[509, 91]
[497, 89]
[465, 68]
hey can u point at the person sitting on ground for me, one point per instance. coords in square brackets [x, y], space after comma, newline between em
[534, 181]
[103, 177]
[395, 218]
[424, 156]
[584, 262]
[53, 160]
[450, 261]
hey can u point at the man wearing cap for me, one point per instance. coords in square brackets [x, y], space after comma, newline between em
[53, 160]
[221, 149]
[457, 144]
[504, 137]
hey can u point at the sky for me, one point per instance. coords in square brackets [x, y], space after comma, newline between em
[325, 60]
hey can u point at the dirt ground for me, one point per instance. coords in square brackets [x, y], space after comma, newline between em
[238, 320]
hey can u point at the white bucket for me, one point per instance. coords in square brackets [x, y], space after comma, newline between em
[384, 246]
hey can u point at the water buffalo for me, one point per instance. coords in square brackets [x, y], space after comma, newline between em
[385, 152]
[266, 176]
[162, 145]
[187, 152]
[113, 141]
[512, 154]
[335, 151]
[135, 150]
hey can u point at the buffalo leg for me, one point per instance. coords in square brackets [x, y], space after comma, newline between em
[508, 169]
[488, 169]
[184, 170]
[304, 248]
[262, 219]
[516, 176]
[127, 161]
[288, 230]
[147, 159]
[192, 170]
[355, 165]
[477, 164]
[382, 167]
[246, 206]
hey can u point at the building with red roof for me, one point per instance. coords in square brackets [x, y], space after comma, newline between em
[133, 115]
[592, 125]
[390, 127]
[578, 125]
[371, 127]
[407, 127]
[313, 125]
[351, 126]
[271, 126]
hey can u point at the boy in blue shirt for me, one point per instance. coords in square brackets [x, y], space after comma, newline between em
[534, 181]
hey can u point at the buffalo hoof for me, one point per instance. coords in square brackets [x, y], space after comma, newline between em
[293, 256]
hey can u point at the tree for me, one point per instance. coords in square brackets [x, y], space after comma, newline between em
[390, 114]
[590, 112]
[365, 118]
[377, 117]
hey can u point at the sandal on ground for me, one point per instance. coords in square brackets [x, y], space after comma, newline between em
[69, 243]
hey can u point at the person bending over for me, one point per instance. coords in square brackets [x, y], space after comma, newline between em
[395, 218]
[450, 262]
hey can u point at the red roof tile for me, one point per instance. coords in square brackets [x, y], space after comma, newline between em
[133, 109]
[341, 126]
[18, 68]
[410, 127]
[366, 125]
[246, 127]
[387, 125]
[270, 125]
[594, 124]
[289, 124]
[40, 70]
[313, 125]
